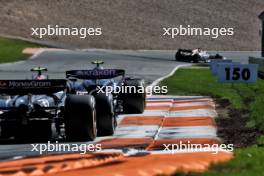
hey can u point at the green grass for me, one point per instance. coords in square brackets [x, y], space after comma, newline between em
[202, 82]
[11, 50]
[250, 160]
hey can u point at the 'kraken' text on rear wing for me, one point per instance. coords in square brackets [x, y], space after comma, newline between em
[95, 74]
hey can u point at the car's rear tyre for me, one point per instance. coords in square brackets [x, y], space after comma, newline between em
[178, 55]
[134, 102]
[196, 58]
[105, 116]
[80, 118]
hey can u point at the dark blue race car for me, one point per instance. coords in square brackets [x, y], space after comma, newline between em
[111, 92]
[79, 108]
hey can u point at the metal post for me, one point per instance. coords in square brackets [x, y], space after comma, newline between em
[262, 40]
[261, 17]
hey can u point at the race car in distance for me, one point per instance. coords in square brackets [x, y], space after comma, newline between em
[195, 56]
[73, 109]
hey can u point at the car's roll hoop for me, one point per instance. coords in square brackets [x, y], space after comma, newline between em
[97, 63]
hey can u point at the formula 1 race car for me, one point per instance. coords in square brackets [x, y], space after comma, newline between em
[34, 110]
[28, 108]
[42, 109]
[195, 56]
[110, 91]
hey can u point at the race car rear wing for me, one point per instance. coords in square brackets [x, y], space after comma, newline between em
[95, 74]
[37, 87]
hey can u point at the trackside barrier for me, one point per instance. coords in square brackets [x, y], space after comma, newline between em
[260, 62]
[213, 64]
[237, 73]
[234, 72]
[56, 164]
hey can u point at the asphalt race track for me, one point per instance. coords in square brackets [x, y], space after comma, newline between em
[149, 65]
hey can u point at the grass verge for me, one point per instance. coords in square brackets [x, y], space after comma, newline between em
[242, 124]
[248, 162]
[11, 50]
[202, 82]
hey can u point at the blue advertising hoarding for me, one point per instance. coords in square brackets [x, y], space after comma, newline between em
[235, 73]
[213, 64]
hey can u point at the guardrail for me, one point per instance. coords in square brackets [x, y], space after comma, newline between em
[260, 62]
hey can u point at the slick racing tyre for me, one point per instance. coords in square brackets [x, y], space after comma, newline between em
[195, 58]
[80, 118]
[178, 56]
[134, 102]
[105, 116]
